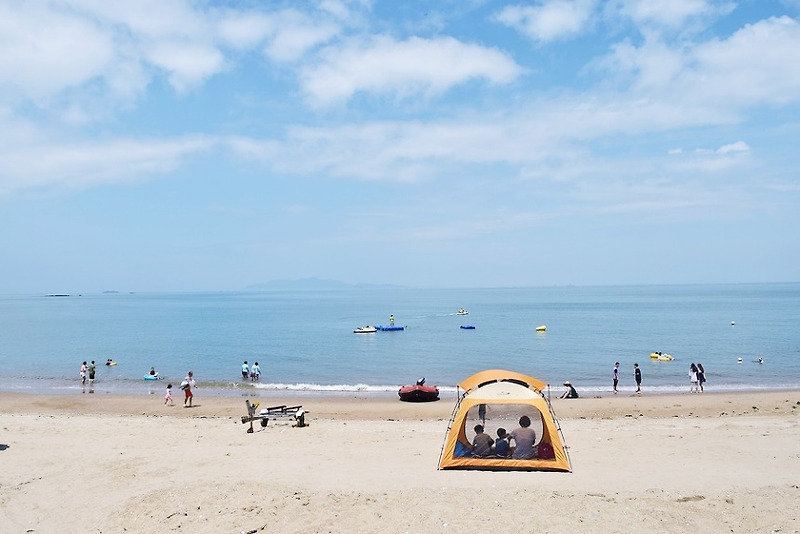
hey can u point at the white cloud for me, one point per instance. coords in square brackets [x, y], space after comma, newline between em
[403, 68]
[43, 51]
[550, 20]
[342, 10]
[706, 160]
[48, 48]
[535, 137]
[284, 35]
[754, 66]
[295, 34]
[671, 13]
[757, 64]
[187, 64]
[174, 36]
[47, 164]
[244, 30]
[651, 66]
[146, 19]
[737, 147]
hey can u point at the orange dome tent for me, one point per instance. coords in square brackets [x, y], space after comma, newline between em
[502, 397]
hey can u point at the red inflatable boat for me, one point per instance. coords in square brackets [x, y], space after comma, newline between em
[419, 392]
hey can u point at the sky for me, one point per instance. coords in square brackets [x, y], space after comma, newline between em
[213, 145]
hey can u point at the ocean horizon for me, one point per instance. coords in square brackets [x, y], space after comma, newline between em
[305, 345]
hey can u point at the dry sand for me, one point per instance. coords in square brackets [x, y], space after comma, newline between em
[113, 464]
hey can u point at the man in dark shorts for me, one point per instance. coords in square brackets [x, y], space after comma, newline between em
[92, 370]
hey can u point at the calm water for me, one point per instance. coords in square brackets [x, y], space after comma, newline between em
[304, 341]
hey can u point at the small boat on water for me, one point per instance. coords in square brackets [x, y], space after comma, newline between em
[468, 326]
[419, 392]
[661, 357]
[365, 330]
[152, 377]
[542, 328]
[462, 311]
[390, 328]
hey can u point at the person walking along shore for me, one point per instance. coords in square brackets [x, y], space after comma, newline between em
[187, 386]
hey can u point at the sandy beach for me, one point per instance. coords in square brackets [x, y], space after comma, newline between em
[110, 464]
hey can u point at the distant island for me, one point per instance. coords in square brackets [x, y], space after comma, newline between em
[313, 284]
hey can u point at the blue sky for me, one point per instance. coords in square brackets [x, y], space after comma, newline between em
[181, 146]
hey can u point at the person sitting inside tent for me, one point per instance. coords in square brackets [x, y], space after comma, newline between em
[524, 437]
[570, 393]
[501, 446]
[482, 444]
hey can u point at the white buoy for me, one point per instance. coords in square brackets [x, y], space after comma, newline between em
[740, 361]
[733, 323]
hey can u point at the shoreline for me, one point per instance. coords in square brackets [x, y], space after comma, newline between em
[265, 389]
[355, 405]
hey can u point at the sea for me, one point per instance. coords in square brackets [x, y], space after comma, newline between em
[747, 336]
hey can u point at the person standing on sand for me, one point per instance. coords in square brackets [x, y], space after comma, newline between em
[701, 376]
[83, 373]
[693, 386]
[168, 396]
[187, 386]
[616, 376]
[637, 375]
